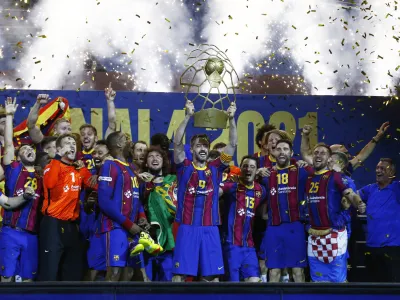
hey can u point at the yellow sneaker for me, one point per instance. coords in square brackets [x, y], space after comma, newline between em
[136, 250]
[149, 245]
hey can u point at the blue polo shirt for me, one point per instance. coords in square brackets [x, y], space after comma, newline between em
[383, 214]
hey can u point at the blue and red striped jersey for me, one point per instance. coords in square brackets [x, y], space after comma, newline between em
[17, 179]
[240, 204]
[198, 193]
[88, 160]
[324, 199]
[118, 195]
[286, 188]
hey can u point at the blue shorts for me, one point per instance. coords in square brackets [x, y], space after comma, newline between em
[198, 248]
[159, 268]
[115, 244]
[19, 253]
[240, 262]
[96, 254]
[285, 246]
[335, 271]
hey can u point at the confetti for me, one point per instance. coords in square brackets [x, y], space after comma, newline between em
[42, 36]
[167, 20]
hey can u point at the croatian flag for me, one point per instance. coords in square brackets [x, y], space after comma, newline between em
[327, 257]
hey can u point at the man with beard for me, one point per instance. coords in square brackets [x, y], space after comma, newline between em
[241, 200]
[88, 134]
[354, 162]
[120, 207]
[327, 240]
[60, 243]
[159, 195]
[383, 225]
[19, 232]
[284, 238]
[198, 243]
[48, 145]
[138, 150]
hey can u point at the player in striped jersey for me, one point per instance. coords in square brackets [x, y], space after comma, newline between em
[120, 207]
[241, 201]
[284, 239]
[198, 244]
[327, 241]
[19, 233]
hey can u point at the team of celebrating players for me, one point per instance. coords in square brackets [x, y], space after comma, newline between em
[127, 212]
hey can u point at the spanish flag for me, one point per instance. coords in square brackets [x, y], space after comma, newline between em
[47, 117]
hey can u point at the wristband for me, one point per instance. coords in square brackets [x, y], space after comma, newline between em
[375, 140]
[226, 158]
[127, 224]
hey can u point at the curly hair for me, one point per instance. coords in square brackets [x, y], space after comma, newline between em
[262, 131]
[166, 168]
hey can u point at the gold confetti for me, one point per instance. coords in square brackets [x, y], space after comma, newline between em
[167, 20]
[318, 274]
[18, 79]
[38, 62]
[230, 17]
[294, 27]
[42, 36]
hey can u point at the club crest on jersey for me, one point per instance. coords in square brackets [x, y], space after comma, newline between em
[176, 265]
[293, 169]
[241, 212]
[208, 172]
[20, 192]
[116, 257]
[128, 194]
[273, 191]
[324, 177]
[258, 194]
[66, 188]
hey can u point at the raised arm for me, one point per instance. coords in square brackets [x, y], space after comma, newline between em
[305, 147]
[15, 202]
[231, 147]
[11, 108]
[34, 131]
[367, 150]
[179, 148]
[112, 116]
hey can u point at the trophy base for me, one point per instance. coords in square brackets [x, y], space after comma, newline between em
[211, 118]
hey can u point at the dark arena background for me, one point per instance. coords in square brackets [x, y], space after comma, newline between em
[330, 64]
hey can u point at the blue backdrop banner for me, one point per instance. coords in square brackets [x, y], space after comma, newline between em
[351, 121]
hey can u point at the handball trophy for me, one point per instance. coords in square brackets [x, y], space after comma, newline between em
[210, 76]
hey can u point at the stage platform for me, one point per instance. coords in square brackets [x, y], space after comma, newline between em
[197, 291]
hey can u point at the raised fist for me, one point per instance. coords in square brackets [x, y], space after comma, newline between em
[307, 129]
[43, 99]
[189, 106]
[231, 110]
